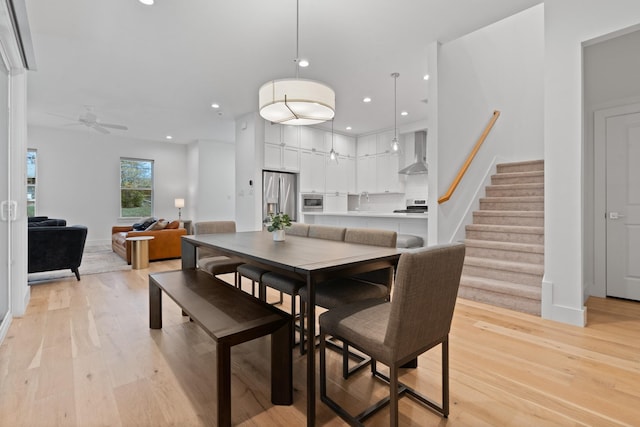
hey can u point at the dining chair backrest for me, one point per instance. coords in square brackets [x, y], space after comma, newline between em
[213, 227]
[424, 298]
[298, 229]
[368, 236]
[374, 237]
[326, 232]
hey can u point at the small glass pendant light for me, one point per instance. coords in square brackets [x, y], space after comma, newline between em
[332, 154]
[395, 144]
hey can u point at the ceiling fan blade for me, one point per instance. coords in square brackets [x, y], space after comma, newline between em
[112, 126]
[63, 117]
[99, 128]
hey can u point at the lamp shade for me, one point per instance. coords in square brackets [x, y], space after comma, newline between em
[296, 102]
[179, 203]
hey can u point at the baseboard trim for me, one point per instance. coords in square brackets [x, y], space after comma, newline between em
[4, 326]
[560, 313]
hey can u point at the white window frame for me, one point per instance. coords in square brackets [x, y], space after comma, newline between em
[131, 159]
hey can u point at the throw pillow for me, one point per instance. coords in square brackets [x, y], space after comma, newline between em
[144, 225]
[150, 227]
[173, 225]
[161, 224]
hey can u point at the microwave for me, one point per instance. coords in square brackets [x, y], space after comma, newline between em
[312, 202]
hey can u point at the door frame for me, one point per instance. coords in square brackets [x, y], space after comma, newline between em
[600, 191]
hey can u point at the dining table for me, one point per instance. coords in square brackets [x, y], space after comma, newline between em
[309, 259]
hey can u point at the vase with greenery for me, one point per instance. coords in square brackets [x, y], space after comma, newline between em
[278, 222]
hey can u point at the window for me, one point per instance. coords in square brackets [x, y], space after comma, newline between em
[136, 188]
[32, 172]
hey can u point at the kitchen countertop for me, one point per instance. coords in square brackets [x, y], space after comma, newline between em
[371, 214]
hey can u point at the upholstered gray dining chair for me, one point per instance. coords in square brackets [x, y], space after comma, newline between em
[417, 318]
[211, 261]
[290, 285]
[373, 285]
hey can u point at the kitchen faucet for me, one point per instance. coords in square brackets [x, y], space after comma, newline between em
[366, 194]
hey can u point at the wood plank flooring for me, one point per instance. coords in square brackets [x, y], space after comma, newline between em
[83, 355]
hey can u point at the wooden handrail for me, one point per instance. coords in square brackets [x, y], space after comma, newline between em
[464, 167]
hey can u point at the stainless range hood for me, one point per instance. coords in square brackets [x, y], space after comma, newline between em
[419, 165]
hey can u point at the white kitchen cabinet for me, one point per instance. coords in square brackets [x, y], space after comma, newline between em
[281, 157]
[275, 133]
[366, 145]
[366, 174]
[383, 142]
[311, 139]
[344, 145]
[312, 171]
[341, 176]
[387, 178]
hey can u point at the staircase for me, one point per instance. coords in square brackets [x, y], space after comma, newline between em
[504, 261]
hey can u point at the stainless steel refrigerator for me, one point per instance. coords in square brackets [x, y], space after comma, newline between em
[279, 194]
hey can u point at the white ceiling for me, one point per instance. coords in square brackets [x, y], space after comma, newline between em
[157, 69]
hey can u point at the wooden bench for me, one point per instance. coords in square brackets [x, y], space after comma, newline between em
[230, 317]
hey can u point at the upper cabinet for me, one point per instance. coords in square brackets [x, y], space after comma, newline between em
[367, 145]
[378, 166]
[312, 139]
[275, 133]
[343, 145]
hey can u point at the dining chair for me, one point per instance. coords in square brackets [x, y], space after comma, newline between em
[211, 261]
[372, 285]
[417, 318]
[290, 285]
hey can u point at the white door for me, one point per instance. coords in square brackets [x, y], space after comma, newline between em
[5, 205]
[623, 206]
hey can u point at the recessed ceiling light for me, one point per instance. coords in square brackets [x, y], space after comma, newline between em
[303, 63]
[214, 105]
[366, 99]
[169, 137]
[404, 113]
[348, 127]
[146, 2]
[426, 77]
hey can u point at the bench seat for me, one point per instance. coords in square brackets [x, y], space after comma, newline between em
[229, 316]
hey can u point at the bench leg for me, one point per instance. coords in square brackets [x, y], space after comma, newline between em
[282, 366]
[223, 380]
[155, 306]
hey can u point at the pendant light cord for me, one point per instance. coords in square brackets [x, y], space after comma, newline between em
[297, 38]
[395, 104]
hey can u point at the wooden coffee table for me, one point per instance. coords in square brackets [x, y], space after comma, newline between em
[140, 251]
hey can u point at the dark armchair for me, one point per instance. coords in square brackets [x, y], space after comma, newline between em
[56, 248]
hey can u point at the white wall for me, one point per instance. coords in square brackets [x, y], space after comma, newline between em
[569, 23]
[249, 161]
[499, 67]
[79, 177]
[215, 197]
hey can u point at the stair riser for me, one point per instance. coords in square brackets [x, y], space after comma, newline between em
[514, 192]
[508, 220]
[511, 206]
[498, 236]
[504, 180]
[526, 167]
[512, 302]
[503, 275]
[505, 255]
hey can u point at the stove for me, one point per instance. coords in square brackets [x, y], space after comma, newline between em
[414, 206]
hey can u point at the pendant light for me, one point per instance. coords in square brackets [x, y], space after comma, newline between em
[332, 154]
[395, 144]
[295, 101]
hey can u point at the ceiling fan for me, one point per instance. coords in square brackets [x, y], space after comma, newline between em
[90, 120]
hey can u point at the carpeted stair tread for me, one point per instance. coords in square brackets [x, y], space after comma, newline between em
[508, 199]
[527, 214]
[519, 267]
[505, 228]
[527, 165]
[499, 286]
[508, 246]
[515, 190]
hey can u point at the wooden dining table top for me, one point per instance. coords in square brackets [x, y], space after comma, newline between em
[297, 254]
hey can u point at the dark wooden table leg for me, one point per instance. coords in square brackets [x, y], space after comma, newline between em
[223, 380]
[311, 354]
[282, 366]
[155, 305]
[188, 255]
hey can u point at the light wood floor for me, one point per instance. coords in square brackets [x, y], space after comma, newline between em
[83, 355]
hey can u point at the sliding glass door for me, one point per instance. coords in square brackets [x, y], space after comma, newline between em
[6, 205]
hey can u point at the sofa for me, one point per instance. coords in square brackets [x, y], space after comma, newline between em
[54, 246]
[166, 243]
